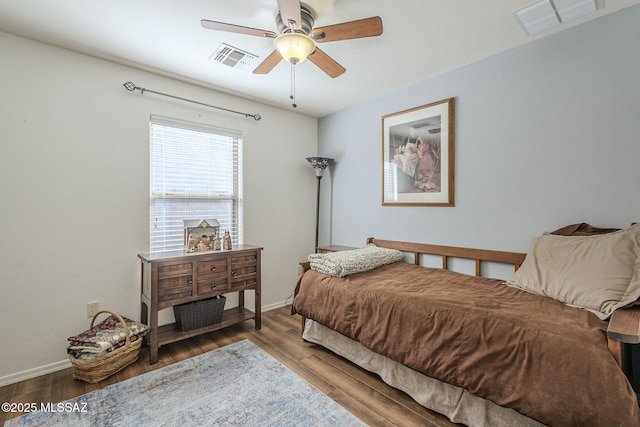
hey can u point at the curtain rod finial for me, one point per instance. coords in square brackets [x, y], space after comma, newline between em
[130, 86]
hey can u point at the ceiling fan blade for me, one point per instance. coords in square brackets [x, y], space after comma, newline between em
[231, 28]
[326, 63]
[267, 65]
[290, 11]
[367, 27]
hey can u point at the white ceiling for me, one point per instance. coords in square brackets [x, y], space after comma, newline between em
[421, 39]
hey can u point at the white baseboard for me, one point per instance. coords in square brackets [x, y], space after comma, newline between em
[64, 364]
[35, 372]
[275, 305]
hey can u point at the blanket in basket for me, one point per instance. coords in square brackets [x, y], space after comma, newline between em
[104, 337]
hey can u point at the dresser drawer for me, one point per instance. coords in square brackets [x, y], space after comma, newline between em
[213, 284]
[172, 270]
[174, 293]
[168, 283]
[244, 270]
[175, 281]
[170, 288]
[246, 260]
[244, 278]
[214, 266]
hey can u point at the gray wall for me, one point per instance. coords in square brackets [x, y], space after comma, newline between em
[546, 135]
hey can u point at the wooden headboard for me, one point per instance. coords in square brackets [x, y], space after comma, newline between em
[445, 252]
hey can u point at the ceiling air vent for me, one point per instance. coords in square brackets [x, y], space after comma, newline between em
[542, 15]
[232, 56]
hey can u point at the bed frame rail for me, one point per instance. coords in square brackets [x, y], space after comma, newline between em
[445, 252]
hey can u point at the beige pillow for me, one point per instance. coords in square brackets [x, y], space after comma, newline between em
[598, 273]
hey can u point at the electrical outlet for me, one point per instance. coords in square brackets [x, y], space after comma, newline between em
[92, 308]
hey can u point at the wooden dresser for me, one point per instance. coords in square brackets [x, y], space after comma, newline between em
[178, 277]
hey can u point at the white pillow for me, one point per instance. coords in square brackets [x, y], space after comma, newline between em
[599, 273]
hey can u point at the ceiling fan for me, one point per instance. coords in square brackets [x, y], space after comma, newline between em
[296, 38]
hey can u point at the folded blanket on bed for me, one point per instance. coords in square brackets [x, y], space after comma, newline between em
[344, 263]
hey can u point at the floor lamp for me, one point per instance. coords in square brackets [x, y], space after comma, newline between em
[319, 164]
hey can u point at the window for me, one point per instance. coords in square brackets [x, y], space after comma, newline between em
[196, 173]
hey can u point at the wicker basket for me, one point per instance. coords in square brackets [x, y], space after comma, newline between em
[96, 369]
[197, 314]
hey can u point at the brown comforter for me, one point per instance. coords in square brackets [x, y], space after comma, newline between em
[546, 360]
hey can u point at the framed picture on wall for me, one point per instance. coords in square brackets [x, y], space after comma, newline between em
[417, 156]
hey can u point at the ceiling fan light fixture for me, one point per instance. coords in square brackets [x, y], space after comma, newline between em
[294, 47]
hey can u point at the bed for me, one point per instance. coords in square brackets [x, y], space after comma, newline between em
[484, 351]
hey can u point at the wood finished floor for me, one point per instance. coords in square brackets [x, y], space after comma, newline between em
[360, 392]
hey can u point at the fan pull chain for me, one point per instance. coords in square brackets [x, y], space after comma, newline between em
[293, 85]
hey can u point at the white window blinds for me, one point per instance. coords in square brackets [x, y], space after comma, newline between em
[196, 173]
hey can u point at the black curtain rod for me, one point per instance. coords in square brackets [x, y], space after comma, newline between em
[130, 86]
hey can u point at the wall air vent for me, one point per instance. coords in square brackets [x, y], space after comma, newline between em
[232, 56]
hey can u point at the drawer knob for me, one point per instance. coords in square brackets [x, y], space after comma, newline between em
[213, 267]
[190, 280]
[214, 286]
[233, 273]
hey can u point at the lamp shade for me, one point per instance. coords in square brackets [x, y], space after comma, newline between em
[319, 164]
[294, 47]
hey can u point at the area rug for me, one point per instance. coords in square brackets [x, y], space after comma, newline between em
[235, 385]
